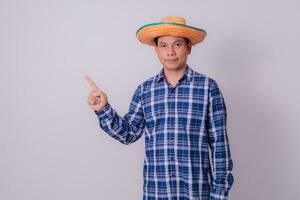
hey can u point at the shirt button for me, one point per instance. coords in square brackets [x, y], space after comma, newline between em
[171, 90]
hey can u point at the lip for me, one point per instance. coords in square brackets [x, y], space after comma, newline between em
[172, 60]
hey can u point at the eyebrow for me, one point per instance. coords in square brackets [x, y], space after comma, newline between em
[178, 40]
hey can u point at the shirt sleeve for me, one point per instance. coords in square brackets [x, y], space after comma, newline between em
[219, 144]
[126, 129]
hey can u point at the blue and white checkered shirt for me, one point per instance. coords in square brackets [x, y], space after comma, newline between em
[181, 123]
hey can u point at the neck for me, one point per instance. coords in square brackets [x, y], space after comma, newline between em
[173, 76]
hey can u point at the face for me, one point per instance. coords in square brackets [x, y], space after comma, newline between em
[172, 52]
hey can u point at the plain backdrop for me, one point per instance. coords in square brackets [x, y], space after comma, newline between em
[51, 145]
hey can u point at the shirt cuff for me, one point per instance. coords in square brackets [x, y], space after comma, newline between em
[218, 194]
[106, 112]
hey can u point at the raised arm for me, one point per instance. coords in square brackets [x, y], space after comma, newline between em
[126, 129]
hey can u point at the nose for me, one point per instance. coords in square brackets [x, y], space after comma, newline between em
[171, 51]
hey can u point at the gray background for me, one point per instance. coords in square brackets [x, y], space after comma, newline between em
[51, 146]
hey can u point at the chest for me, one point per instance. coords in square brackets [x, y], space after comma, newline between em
[169, 104]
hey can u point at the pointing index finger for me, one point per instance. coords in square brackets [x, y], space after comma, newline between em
[91, 83]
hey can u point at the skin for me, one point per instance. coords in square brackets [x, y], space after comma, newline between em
[172, 53]
[97, 98]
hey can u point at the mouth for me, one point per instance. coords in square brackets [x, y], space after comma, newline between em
[172, 60]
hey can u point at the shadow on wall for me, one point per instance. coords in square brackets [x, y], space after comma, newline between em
[257, 119]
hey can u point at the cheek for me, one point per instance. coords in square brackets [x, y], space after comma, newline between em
[160, 55]
[184, 54]
[181, 55]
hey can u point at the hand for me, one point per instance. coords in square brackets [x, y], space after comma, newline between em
[97, 99]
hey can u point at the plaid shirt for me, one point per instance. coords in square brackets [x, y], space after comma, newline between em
[181, 123]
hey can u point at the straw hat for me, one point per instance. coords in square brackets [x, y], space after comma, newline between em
[170, 25]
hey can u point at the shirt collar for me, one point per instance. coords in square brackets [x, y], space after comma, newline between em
[188, 74]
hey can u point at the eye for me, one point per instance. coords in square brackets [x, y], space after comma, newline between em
[163, 45]
[178, 44]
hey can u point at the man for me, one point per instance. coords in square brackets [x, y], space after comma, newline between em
[182, 114]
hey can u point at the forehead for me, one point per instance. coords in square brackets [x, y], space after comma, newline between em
[170, 39]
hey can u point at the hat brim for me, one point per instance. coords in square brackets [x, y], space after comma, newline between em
[147, 33]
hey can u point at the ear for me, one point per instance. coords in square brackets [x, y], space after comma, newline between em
[189, 47]
[155, 48]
